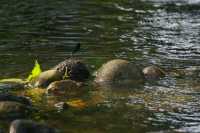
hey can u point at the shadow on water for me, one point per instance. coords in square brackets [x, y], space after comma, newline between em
[161, 32]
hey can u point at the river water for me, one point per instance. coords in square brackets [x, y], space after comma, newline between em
[160, 32]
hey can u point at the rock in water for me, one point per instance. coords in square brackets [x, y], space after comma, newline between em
[153, 72]
[74, 69]
[11, 86]
[10, 109]
[119, 70]
[46, 77]
[69, 69]
[2, 131]
[65, 87]
[13, 106]
[28, 126]
[12, 83]
[20, 99]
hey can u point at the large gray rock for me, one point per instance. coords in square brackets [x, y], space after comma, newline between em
[119, 70]
[28, 126]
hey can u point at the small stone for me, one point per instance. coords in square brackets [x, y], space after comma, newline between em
[153, 72]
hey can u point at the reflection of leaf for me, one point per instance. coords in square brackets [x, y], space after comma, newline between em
[13, 80]
[77, 103]
[35, 72]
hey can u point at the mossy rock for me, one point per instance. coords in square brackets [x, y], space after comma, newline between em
[119, 70]
[74, 69]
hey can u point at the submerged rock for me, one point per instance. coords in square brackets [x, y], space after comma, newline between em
[13, 106]
[74, 69]
[2, 131]
[10, 109]
[153, 72]
[12, 83]
[12, 98]
[65, 87]
[192, 71]
[119, 70]
[28, 126]
[11, 86]
[187, 72]
[46, 77]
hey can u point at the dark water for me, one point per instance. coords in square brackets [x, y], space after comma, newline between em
[161, 32]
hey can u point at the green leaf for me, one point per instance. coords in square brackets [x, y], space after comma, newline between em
[35, 72]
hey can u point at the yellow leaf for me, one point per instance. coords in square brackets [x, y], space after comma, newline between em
[35, 72]
[77, 103]
[13, 80]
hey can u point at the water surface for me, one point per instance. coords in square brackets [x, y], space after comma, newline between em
[161, 32]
